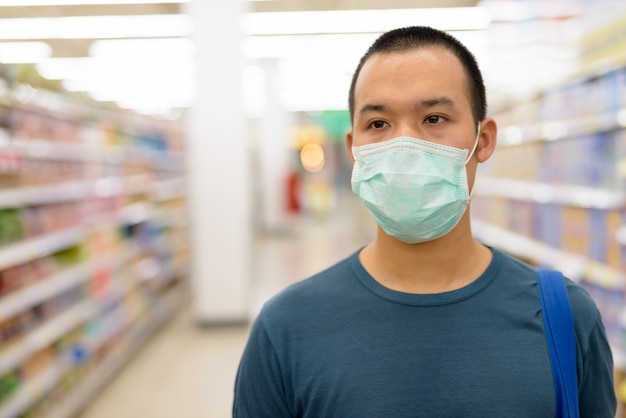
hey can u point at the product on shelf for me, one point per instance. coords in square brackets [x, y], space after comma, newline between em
[23, 275]
[16, 327]
[54, 306]
[10, 165]
[79, 275]
[9, 384]
[37, 363]
[11, 226]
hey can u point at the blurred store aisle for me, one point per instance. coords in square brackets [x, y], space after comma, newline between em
[310, 244]
[182, 372]
[187, 372]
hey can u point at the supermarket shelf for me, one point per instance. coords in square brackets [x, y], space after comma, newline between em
[42, 149]
[564, 128]
[33, 390]
[17, 352]
[4, 89]
[113, 154]
[20, 94]
[30, 296]
[576, 267]
[42, 384]
[128, 185]
[577, 196]
[119, 287]
[63, 192]
[159, 159]
[122, 353]
[76, 190]
[137, 184]
[21, 252]
[135, 294]
[170, 189]
[11, 198]
[172, 219]
[620, 234]
[165, 160]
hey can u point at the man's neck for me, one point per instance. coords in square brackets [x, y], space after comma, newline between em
[437, 266]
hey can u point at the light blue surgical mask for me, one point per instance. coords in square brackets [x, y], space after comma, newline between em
[416, 190]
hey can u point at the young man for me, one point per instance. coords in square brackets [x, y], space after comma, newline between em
[424, 321]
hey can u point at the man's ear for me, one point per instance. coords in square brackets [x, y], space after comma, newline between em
[487, 140]
[349, 145]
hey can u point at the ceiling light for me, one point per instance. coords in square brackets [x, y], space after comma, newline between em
[71, 68]
[172, 48]
[130, 92]
[363, 21]
[92, 27]
[135, 94]
[154, 83]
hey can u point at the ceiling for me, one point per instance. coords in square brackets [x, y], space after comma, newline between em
[80, 47]
[508, 60]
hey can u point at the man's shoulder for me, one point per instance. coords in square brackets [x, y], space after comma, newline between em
[584, 309]
[580, 300]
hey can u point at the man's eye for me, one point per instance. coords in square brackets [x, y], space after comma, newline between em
[434, 119]
[377, 124]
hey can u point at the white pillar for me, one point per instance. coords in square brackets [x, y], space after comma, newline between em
[276, 133]
[218, 168]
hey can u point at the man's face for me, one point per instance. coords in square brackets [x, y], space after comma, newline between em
[421, 93]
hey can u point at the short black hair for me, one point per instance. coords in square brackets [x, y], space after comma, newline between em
[413, 37]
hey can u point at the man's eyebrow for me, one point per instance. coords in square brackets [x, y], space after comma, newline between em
[372, 108]
[428, 103]
[437, 101]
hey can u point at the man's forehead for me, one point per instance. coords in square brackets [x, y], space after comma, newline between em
[422, 64]
[437, 60]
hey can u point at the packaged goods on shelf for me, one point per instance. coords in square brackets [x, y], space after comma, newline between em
[522, 216]
[565, 153]
[603, 244]
[81, 286]
[11, 226]
[575, 230]
[548, 224]
[9, 383]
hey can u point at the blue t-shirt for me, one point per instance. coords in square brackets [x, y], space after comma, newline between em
[340, 344]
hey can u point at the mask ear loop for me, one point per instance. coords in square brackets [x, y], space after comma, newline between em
[475, 144]
[470, 156]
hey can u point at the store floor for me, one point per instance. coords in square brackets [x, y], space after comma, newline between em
[188, 372]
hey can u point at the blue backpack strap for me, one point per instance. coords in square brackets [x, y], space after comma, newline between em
[559, 327]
